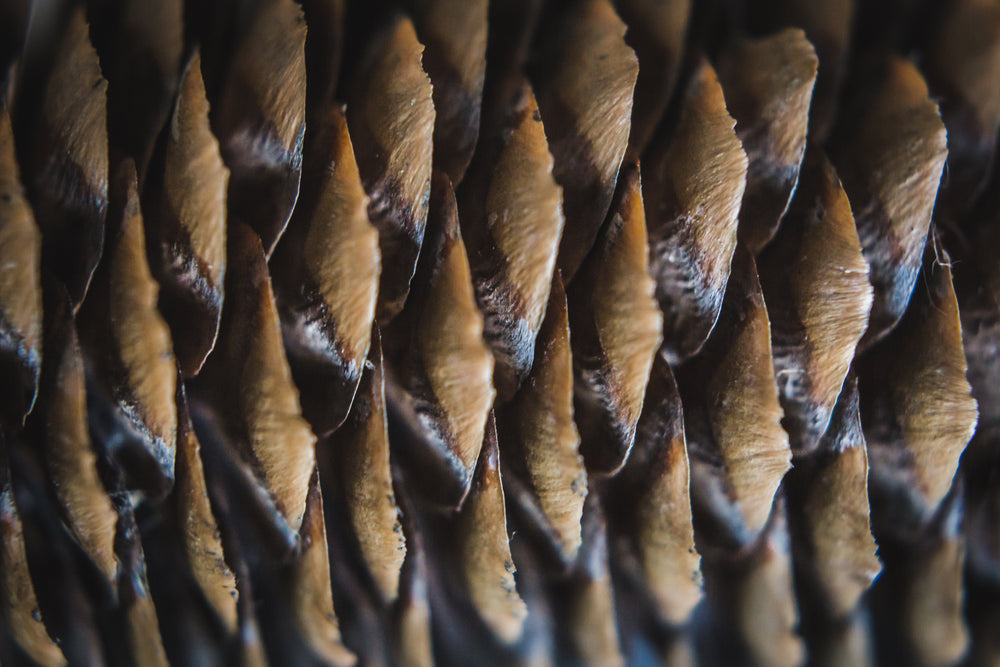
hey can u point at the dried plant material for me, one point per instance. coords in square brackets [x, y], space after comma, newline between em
[70, 177]
[963, 66]
[19, 608]
[186, 208]
[326, 275]
[828, 501]
[593, 634]
[923, 586]
[542, 445]
[815, 283]
[764, 603]
[444, 388]
[584, 88]
[828, 26]
[931, 610]
[392, 117]
[261, 119]
[367, 480]
[454, 32]
[739, 452]
[653, 504]
[656, 30]
[312, 600]
[616, 331]
[693, 198]
[129, 338]
[920, 428]
[769, 84]
[142, 631]
[843, 645]
[141, 46]
[20, 287]
[514, 221]
[70, 459]
[324, 48]
[199, 527]
[252, 383]
[891, 165]
[412, 629]
[483, 548]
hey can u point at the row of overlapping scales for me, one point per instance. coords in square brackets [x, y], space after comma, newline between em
[360, 331]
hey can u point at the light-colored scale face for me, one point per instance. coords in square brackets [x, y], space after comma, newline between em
[488, 569]
[20, 249]
[524, 212]
[458, 364]
[544, 411]
[280, 439]
[400, 115]
[628, 320]
[140, 334]
[20, 608]
[312, 599]
[593, 83]
[744, 412]
[707, 169]
[341, 250]
[368, 479]
[195, 179]
[833, 292]
[271, 62]
[202, 542]
[74, 105]
[930, 394]
[71, 460]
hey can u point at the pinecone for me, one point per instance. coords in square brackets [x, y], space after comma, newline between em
[525, 332]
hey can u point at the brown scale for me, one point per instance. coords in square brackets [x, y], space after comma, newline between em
[311, 596]
[20, 287]
[512, 220]
[367, 480]
[130, 345]
[545, 478]
[584, 79]
[248, 383]
[185, 206]
[141, 46]
[391, 118]
[890, 159]
[963, 66]
[326, 275]
[651, 511]
[440, 387]
[739, 452]
[136, 609]
[19, 610]
[587, 600]
[828, 514]
[615, 327]
[70, 458]
[484, 550]
[656, 31]
[202, 541]
[693, 193]
[815, 283]
[260, 119]
[768, 83]
[916, 405]
[454, 32]
[68, 183]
